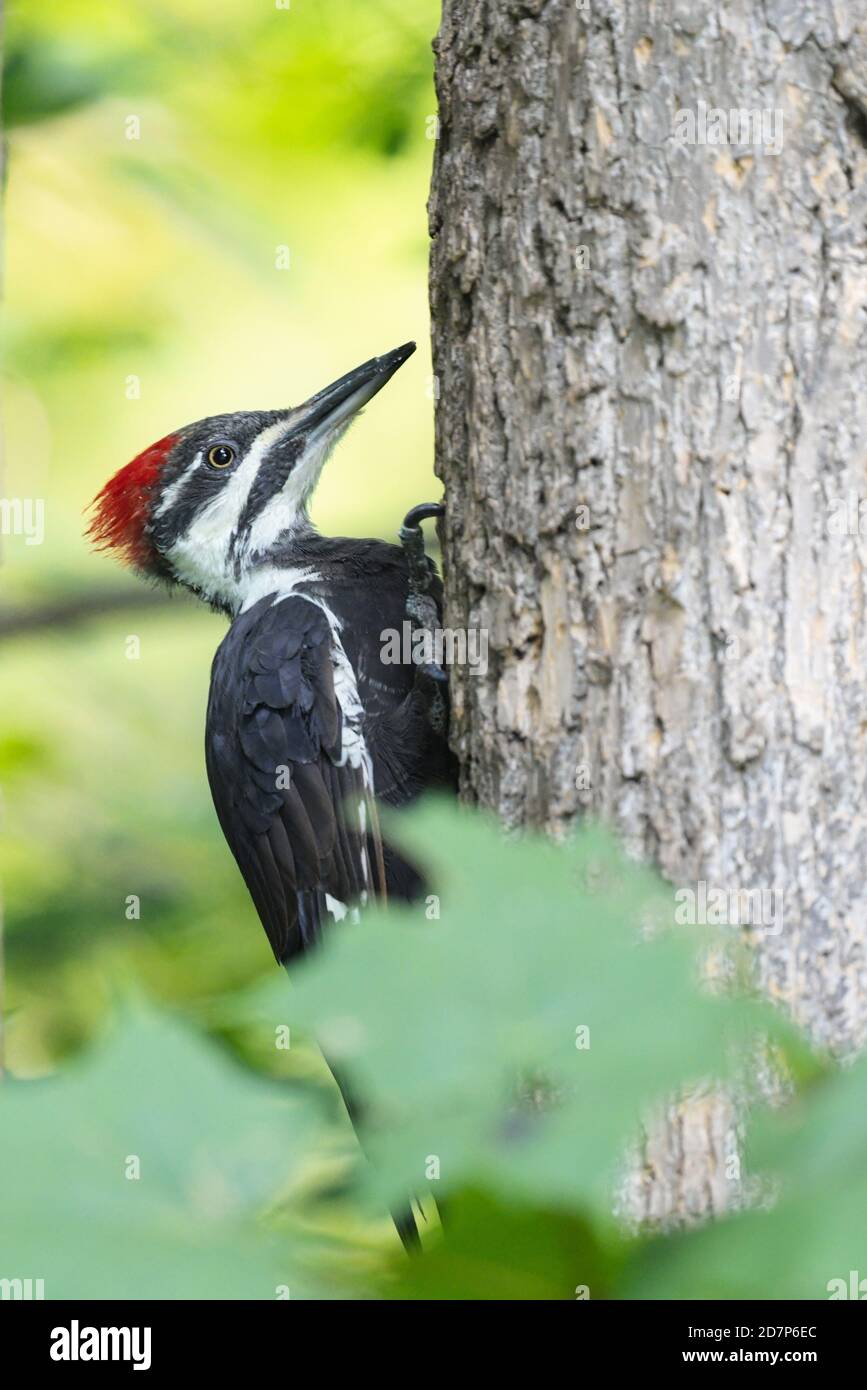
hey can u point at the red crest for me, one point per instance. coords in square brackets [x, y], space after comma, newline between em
[120, 510]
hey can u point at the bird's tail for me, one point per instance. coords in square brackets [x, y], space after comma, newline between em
[405, 1225]
[404, 1220]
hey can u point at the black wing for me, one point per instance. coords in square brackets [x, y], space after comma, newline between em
[289, 772]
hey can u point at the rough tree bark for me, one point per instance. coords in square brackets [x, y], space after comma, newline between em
[692, 649]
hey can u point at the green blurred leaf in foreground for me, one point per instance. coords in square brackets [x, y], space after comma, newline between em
[513, 1042]
[213, 1147]
[505, 1038]
[497, 1250]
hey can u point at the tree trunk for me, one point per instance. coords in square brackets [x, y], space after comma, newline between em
[650, 346]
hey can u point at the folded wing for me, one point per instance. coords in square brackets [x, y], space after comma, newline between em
[290, 772]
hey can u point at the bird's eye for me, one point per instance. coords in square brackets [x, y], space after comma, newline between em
[221, 456]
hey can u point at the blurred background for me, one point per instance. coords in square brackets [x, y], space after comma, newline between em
[208, 207]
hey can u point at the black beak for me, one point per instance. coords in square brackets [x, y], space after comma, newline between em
[337, 403]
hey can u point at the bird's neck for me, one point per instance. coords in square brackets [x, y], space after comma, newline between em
[233, 581]
[280, 576]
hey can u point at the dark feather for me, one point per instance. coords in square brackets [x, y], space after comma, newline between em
[274, 719]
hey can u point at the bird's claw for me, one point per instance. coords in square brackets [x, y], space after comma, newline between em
[416, 515]
[421, 610]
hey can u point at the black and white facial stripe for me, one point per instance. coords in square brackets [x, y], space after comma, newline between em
[237, 486]
[191, 486]
[266, 487]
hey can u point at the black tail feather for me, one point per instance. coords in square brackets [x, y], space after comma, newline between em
[405, 1225]
[404, 1221]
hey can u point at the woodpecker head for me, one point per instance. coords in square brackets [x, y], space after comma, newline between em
[213, 502]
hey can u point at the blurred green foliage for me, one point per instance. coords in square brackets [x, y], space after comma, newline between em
[41, 80]
[505, 1038]
[139, 1173]
[524, 1007]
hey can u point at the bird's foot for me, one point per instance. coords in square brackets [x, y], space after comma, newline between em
[431, 681]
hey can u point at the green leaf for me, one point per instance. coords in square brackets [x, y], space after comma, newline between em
[213, 1146]
[460, 1034]
[495, 1251]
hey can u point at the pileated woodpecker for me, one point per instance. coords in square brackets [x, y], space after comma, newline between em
[307, 726]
